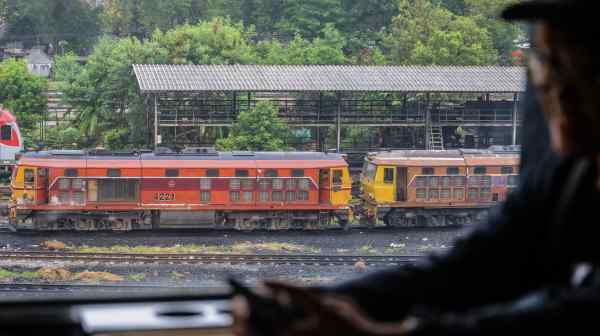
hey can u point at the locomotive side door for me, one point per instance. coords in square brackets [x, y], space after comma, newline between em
[324, 186]
[401, 184]
[341, 186]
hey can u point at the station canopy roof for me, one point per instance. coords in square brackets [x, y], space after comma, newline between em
[342, 78]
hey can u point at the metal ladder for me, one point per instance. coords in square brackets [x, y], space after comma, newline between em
[436, 138]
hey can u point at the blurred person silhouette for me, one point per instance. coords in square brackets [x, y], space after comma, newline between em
[532, 266]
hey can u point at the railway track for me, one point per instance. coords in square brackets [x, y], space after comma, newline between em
[379, 260]
[68, 287]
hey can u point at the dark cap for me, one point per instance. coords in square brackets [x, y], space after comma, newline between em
[561, 10]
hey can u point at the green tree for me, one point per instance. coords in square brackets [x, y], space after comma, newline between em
[218, 41]
[35, 22]
[104, 92]
[427, 33]
[257, 129]
[66, 67]
[309, 17]
[22, 93]
[328, 49]
[486, 14]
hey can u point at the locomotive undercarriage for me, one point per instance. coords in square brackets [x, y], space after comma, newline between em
[155, 220]
[425, 217]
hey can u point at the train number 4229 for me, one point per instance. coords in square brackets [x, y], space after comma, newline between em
[164, 196]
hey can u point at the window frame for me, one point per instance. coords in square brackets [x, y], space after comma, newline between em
[172, 172]
[427, 171]
[114, 172]
[479, 170]
[2, 132]
[452, 171]
[386, 179]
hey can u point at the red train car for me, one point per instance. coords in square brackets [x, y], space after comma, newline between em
[89, 191]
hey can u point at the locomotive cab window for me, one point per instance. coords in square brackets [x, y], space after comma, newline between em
[298, 173]
[212, 173]
[388, 175]
[6, 132]
[507, 170]
[172, 173]
[29, 177]
[452, 171]
[113, 173]
[241, 173]
[480, 170]
[337, 177]
[271, 173]
[71, 173]
[427, 171]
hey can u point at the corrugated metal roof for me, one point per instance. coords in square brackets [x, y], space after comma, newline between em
[198, 78]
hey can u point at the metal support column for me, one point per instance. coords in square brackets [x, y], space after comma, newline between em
[515, 118]
[318, 130]
[156, 121]
[339, 123]
[427, 123]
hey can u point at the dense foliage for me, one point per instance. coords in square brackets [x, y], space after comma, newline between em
[23, 94]
[104, 92]
[257, 129]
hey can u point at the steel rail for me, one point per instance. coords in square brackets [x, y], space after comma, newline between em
[211, 258]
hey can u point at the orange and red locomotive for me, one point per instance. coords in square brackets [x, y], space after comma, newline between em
[97, 190]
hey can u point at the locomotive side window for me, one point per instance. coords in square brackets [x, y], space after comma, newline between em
[452, 171]
[480, 170]
[298, 173]
[212, 173]
[337, 177]
[71, 172]
[271, 173]
[506, 170]
[6, 132]
[113, 172]
[427, 171]
[29, 177]
[388, 175]
[241, 173]
[172, 173]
